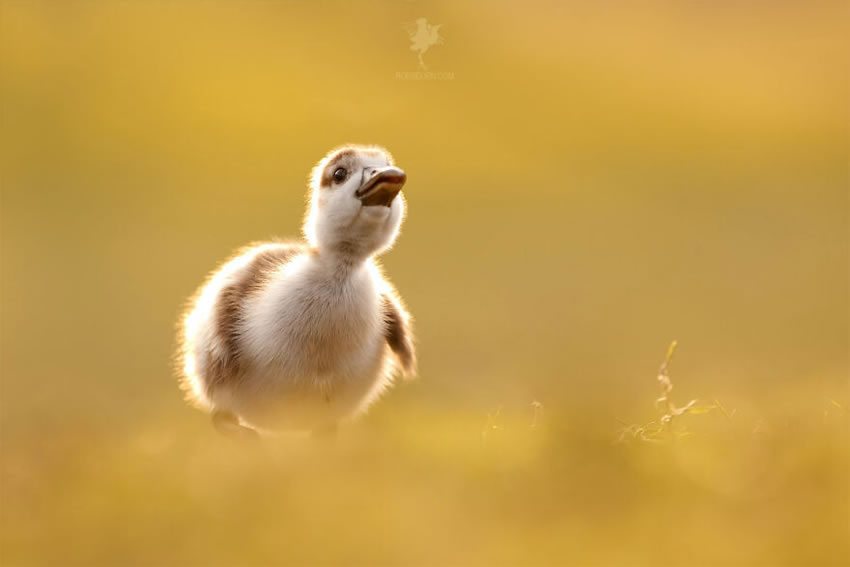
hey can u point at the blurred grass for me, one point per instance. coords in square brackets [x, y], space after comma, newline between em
[597, 179]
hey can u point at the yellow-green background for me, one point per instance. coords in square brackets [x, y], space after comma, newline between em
[597, 179]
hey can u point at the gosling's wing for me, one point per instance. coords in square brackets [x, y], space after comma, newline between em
[255, 263]
[398, 331]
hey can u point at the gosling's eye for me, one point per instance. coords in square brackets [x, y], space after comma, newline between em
[340, 174]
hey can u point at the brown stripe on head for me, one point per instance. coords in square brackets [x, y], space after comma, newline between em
[343, 156]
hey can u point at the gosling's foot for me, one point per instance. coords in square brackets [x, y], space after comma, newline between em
[228, 425]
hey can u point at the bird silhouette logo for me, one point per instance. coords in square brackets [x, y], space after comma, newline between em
[423, 36]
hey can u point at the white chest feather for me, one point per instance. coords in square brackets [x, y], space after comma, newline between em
[315, 322]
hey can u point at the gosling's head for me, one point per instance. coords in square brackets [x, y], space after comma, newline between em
[356, 207]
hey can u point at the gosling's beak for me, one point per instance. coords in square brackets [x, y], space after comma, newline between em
[380, 186]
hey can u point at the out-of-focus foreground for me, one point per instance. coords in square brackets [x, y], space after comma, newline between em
[586, 182]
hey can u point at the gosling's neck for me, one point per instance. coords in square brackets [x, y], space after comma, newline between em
[344, 257]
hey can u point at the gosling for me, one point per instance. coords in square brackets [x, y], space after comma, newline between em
[301, 336]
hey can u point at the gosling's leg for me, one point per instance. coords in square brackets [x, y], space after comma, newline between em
[228, 424]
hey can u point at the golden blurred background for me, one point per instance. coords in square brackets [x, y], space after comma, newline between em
[587, 182]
